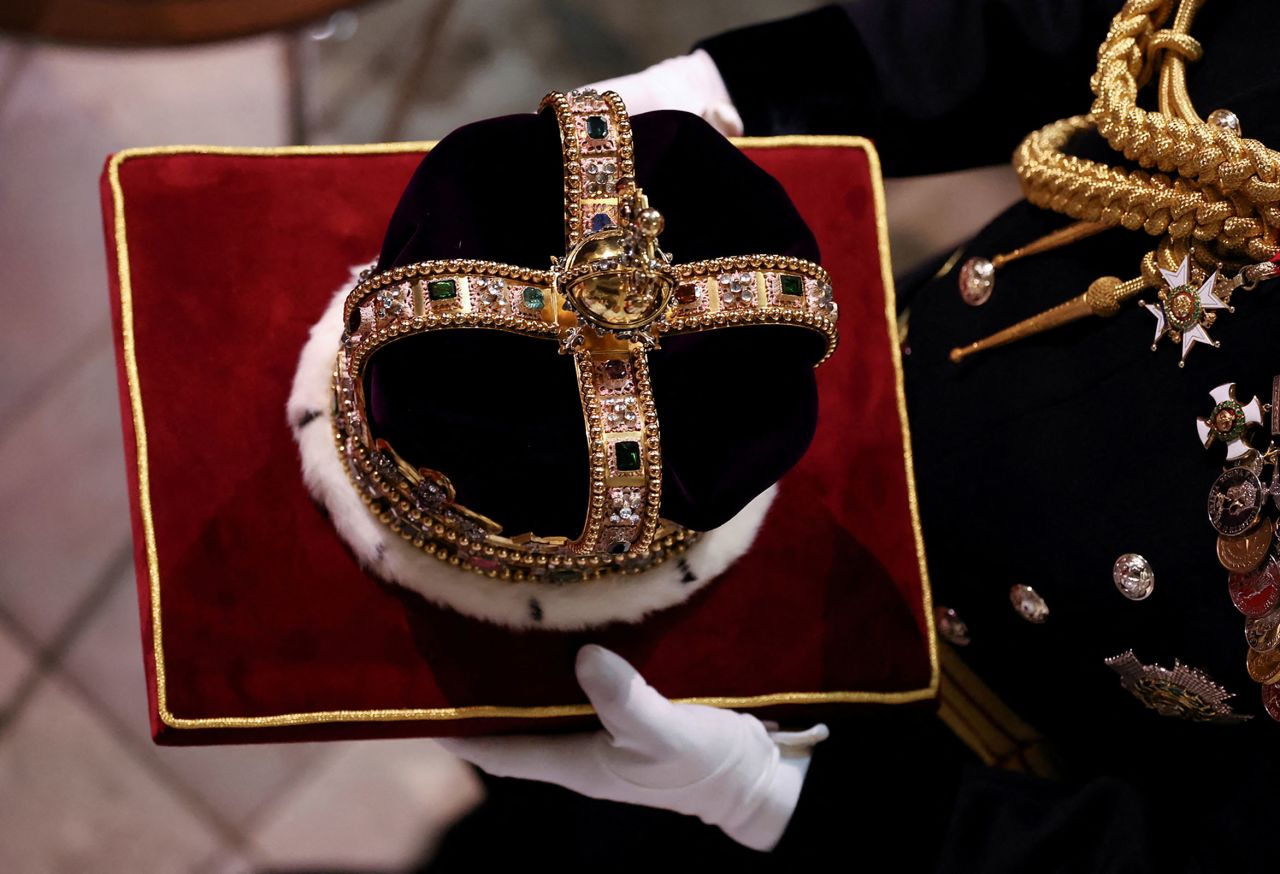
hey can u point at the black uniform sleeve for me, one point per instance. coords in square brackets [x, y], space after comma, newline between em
[883, 786]
[938, 84]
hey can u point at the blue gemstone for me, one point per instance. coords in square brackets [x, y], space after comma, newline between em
[532, 298]
[600, 221]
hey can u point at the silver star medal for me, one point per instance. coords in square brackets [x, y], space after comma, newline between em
[1184, 313]
[1183, 693]
[1229, 421]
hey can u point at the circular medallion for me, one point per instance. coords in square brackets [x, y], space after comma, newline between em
[1235, 499]
[1271, 701]
[1245, 552]
[1133, 576]
[977, 279]
[1182, 307]
[1264, 667]
[1262, 633]
[1256, 592]
[1029, 604]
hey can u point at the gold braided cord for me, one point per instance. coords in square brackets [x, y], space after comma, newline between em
[1210, 186]
[1174, 140]
[1135, 199]
[1203, 191]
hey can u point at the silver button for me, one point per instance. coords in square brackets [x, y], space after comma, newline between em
[951, 626]
[1029, 604]
[1133, 576]
[977, 279]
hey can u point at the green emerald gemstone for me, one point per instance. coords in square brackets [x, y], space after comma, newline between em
[789, 284]
[442, 289]
[626, 454]
[597, 127]
[532, 297]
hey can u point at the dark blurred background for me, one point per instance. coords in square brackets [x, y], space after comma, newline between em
[81, 786]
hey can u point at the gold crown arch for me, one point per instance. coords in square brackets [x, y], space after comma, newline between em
[607, 302]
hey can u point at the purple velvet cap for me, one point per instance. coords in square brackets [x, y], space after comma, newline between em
[499, 413]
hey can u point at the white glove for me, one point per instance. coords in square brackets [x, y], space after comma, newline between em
[724, 767]
[689, 82]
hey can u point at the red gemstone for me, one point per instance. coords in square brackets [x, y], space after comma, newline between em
[484, 564]
[615, 369]
[1257, 592]
[1271, 701]
[686, 293]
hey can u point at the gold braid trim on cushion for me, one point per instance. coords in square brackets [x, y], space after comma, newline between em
[607, 303]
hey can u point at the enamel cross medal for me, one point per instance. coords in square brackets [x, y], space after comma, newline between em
[1246, 534]
[1185, 312]
[1228, 421]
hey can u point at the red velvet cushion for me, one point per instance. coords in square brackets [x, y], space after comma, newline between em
[258, 626]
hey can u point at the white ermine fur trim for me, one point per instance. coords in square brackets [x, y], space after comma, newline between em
[530, 604]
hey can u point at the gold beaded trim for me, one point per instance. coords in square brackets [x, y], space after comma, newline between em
[593, 166]
[476, 287]
[623, 532]
[753, 290]
[626, 457]
[418, 505]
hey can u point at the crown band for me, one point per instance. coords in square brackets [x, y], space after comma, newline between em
[607, 303]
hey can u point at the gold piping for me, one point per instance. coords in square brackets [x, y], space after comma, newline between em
[978, 716]
[168, 718]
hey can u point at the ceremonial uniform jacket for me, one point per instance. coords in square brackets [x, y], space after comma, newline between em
[1038, 464]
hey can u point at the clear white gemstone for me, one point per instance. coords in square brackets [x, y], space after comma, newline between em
[1225, 119]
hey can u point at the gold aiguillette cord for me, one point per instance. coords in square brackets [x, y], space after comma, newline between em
[1102, 299]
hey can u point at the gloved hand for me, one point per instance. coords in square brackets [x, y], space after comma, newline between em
[724, 767]
[689, 82]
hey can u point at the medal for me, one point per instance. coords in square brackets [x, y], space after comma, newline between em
[1258, 592]
[1182, 692]
[1263, 632]
[1247, 551]
[1229, 421]
[1236, 504]
[1264, 667]
[1271, 701]
[1235, 500]
[1185, 312]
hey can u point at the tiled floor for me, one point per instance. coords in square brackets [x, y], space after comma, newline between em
[82, 788]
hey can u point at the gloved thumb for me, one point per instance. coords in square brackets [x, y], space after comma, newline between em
[650, 740]
[800, 740]
[630, 709]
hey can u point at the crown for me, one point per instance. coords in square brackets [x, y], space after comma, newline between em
[608, 301]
